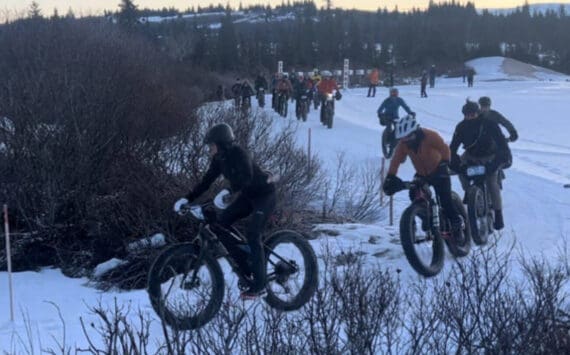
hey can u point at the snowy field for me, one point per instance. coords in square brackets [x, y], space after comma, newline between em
[536, 206]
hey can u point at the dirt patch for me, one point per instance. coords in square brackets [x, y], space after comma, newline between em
[513, 67]
[516, 68]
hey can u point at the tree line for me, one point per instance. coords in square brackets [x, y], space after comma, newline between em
[304, 36]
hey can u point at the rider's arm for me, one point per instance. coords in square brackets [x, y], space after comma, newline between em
[211, 175]
[382, 106]
[501, 155]
[404, 105]
[503, 121]
[399, 157]
[455, 142]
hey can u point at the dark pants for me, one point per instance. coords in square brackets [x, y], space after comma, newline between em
[371, 90]
[423, 90]
[258, 209]
[441, 183]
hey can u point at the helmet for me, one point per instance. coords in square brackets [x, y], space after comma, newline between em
[394, 91]
[326, 73]
[406, 126]
[485, 101]
[220, 134]
[470, 107]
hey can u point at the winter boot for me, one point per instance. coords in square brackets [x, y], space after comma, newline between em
[498, 224]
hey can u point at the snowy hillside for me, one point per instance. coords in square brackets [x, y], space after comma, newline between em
[536, 207]
[501, 68]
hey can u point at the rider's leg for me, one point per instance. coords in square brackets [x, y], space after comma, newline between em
[492, 183]
[239, 209]
[262, 208]
[442, 186]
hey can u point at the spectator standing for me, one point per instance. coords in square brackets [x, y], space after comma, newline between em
[423, 80]
[374, 78]
[432, 77]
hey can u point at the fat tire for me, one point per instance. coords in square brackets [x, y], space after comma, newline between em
[387, 145]
[460, 250]
[185, 252]
[479, 237]
[407, 236]
[329, 116]
[311, 270]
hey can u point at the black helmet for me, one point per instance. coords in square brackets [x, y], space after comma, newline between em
[485, 101]
[220, 134]
[470, 107]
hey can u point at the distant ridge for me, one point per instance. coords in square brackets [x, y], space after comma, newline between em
[540, 8]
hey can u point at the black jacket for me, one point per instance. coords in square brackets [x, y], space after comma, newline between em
[260, 82]
[480, 138]
[244, 175]
[501, 120]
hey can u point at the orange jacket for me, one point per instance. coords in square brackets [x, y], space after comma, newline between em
[431, 152]
[327, 86]
[374, 77]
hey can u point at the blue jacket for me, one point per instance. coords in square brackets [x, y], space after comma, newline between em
[391, 105]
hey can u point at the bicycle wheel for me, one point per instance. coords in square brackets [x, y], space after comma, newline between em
[388, 144]
[185, 293]
[459, 248]
[292, 270]
[478, 219]
[423, 249]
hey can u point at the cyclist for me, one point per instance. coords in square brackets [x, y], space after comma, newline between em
[488, 113]
[260, 88]
[253, 194]
[391, 105]
[484, 144]
[260, 82]
[302, 87]
[326, 86]
[430, 157]
[236, 92]
[284, 90]
[246, 93]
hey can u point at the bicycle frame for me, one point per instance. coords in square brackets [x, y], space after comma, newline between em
[480, 182]
[206, 238]
[424, 194]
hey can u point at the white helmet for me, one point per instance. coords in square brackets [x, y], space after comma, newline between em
[326, 73]
[405, 126]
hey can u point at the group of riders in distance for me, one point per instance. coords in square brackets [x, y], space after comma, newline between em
[283, 267]
[317, 90]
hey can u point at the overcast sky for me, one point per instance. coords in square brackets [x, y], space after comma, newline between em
[97, 6]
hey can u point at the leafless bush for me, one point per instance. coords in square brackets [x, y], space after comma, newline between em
[479, 307]
[354, 192]
[118, 334]
[92, 108]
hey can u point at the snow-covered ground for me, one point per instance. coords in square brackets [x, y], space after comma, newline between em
[536, 206]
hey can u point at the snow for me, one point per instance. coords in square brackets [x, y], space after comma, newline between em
[108, 265]
[536, 206]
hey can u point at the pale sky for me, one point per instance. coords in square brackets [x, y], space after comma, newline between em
[86, 7]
